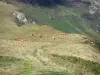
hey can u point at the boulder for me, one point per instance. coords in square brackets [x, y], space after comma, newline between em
[20, 17]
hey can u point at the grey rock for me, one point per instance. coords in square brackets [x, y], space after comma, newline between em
[34, 22]
[20, 17]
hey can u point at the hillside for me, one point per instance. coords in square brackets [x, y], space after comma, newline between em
[44, 50]
[73, 16]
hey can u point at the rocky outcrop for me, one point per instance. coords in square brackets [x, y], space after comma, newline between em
[21, 19]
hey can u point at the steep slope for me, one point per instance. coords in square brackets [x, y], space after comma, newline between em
[66, 15]
[6, 22]
[43, 50]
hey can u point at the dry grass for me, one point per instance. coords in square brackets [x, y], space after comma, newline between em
[6, 22]
[41, 55]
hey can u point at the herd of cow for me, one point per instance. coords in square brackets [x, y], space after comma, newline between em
[39, 36]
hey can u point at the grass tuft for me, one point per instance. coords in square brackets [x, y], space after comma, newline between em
[85, 65]
[8, 60]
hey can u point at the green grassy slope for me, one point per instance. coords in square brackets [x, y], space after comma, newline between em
[52, 17]
[71, 54]
[67, 19]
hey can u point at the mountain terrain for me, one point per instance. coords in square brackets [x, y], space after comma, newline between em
[73, 16]
[63, 40]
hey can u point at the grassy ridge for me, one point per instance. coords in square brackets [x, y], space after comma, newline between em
[62, 18]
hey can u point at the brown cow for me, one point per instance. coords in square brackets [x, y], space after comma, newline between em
[19, 39]
[53, 37]
[63, 34]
